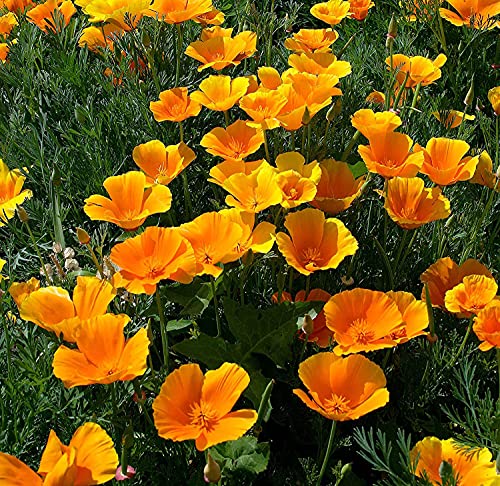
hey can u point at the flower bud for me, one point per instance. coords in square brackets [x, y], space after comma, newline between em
[83, 236]
[211, 472]
[119, 476]
[469, 97]
[22, 214]
[392, 32]
[308, 325]
[334, 110]
[306, 117]
[247, 258]
[146, 40]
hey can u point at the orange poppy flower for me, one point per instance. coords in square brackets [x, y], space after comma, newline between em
[221, 172]
[315, 90]
[259, 239]
[263, 106]
[359, 8]
[487, 326]
[178, 11]
[312, 40]
[174, 105]
[11, 193]
[452, 118]
[373, 125]
[445, 274]
[52, 309]
[320, 334]
[125, 14]
[469, 466]
[96, 38]
[132, 201]
[269, 77]
[19, 291]
[89, 458]
[219, 51]
[162, 164]
[331, 12]
[415, 316]
[342, 388]
[363, 320]
[494, 99]
[319, 63]
[472, 295]
[484, 172]
[155, 255]
[295, 161]
[411, 205]
[254, 192]
[191, 406]
[16, 6]
[315, 243]
[103, 356]
[7, 23]
[214, 238]
[220, 93]
[51, 14]
[337, 188]
[291, 115]
[416, 69]
[378, 98]
[444, 162]
[478, 14]
[390, 156]
[212, 17]
[235, 142]
[4, 51]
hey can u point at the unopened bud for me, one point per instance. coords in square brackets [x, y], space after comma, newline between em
[56, 247]
[146, 40]
[306, 117]
[119, 476]
[392, 32]
[83, 236]
[334, 110]
[308, 325]
[469, 97]
[211, 472]
[22, 214]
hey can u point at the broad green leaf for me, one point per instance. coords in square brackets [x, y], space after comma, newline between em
[178, 325]
[358, 169]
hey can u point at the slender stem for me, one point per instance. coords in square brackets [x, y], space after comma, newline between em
[327, 453]
[263, 407]
[216, 305]
[178, 54]
[497, 155]
[415, 96]
[187, 196]
[443, 38]
[387, 264]
[325, 136]
[464, 341]
[181, 132]
[308, 155]
[350, 146]
[308, 286]
[462, 124]
[303, 142]
[292, 140]
[32, 237]
[290, 280]
[7, 343]
[163, 329]
[95, 260]
[408, 247]
[402, 244]
[226, 118]
[430, 311]
[266, 146]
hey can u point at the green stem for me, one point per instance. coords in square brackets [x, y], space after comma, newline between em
[430, 311]
[226, 118]
[350, 146]
[181, 132]
[464, 341]
[263, 406]
[216, 305]
[387, 264]
[442, 36]
[415, 96]
[303, 142]
[290, 280]
[187, 196]
[35, 246]
[402, 244]
[308, 286]
[266, 146]
[497, 155]
[178, 55]
[93, 256]
[408, 247]
[163, 329]
[7, 343]
[327, 453]
[308, 154]
[325, 136]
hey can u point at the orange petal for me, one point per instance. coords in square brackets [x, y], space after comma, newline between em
[13, 472]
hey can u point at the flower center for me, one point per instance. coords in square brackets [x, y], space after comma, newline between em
[360, 332]
[337, 405]
[203, 416]
[311, 257]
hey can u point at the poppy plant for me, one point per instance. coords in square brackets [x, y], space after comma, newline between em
[52, 14]
[342, 389]
[359, 8]
[372, 124]
[474, 293]
[390, 156]
[468, 467]
[16, 6]
[125, 14]
[7, 22]
[212, 17]
[269, 77]
[162, 164]
[315, 243]
[20, 290]
[89, 458]
[417, 70]
[487, 326]
[319, 63]
[484, 172]
[220, 93]
[52, 309]
[96, 38]
[155, 255]
[363, 320]
[193, 406]
[331, 12]
[478, 14]
[131, 201]
[445, 274]
[452, 118]
[178, 11]
[174, 105]
[444, 161]
[263, 107]
[337, 187]
[103, 355]
[494, 99]
[11, 192]
[235, 142]
[221, 172]
[411, 205]
[214, 237]
[311, 40]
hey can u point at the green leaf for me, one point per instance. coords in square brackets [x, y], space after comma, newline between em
[242, 458]
[358, 169]
[178, 325]
[209, 350]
